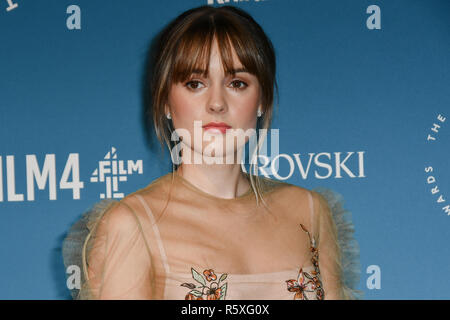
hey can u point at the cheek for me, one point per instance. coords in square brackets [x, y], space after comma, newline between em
[245, 111]
[247, 118]
[183, 105]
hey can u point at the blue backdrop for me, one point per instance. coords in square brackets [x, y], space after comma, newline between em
[373, 86]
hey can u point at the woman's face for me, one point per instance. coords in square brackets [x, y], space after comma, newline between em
[219, 98]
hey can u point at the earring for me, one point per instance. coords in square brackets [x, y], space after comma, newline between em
[168, 116]
[259, 113]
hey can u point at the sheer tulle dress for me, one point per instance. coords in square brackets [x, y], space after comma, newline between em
[171, 240]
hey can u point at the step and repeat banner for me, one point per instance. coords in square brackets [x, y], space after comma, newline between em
[364, 109]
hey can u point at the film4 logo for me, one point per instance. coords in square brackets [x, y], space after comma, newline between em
[11, 5]
[109, 171]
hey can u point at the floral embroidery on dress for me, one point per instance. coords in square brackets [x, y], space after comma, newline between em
[307, 282]
[208, 288]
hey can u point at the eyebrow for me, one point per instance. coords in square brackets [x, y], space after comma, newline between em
[232, 71]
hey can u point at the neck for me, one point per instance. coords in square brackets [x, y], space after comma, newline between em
[221, 180]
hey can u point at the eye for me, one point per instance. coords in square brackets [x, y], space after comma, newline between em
[195, 84]
[238, 84]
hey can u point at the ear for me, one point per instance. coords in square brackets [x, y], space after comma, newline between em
[260, 107]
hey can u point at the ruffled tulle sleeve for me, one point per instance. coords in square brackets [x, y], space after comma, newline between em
[338, 250]
[108, 246]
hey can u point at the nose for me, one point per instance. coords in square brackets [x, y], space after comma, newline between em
[217, 102]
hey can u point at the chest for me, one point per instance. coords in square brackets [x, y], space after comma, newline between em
[234, 245]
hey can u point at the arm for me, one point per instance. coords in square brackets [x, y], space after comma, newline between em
[329, 251]
[118, 263]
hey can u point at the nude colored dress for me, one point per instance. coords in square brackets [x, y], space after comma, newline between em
[171, 240]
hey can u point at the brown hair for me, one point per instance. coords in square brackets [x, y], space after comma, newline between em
[185, 44]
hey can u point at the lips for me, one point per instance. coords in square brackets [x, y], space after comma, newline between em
[217, 126]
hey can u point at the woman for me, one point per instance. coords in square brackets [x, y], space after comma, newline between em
[209, 230]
